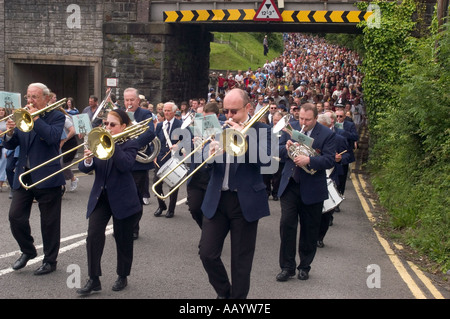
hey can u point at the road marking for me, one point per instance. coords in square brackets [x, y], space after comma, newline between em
[109, 230]
[426, 281]
[416, 291]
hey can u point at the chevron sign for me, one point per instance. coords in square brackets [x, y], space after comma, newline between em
[247, 15]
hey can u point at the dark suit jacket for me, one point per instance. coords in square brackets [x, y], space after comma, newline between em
[351, 134]
[245, 178]
[341, 145]
[37, 146]
[145, 138]
[313, 188]
[115, 177]
[164, 146]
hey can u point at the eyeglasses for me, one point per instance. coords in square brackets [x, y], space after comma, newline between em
[295, 109]
[112, 124]
[32, 97]
[233, 112]
[339, 115]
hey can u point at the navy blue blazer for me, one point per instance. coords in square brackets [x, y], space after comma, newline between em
[145, 138]
[114, 175]
[341, 145]
[38, 146]
[351, 134]
[313, 188]
[164, 146]
[245, 178]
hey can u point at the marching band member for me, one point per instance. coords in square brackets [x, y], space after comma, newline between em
[36, 147]
[114, 194]
[140, 170]
[302, 194]
[168, 145]
[341, 158]
[234, 202]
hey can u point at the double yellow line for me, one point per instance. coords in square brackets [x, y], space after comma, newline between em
[360, 187]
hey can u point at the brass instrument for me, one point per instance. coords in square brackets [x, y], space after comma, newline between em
[99, 141]
[297, 148]
[233, 142]
[24, 119]
[142, 156]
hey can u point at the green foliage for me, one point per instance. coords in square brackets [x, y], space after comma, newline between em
[224, 56]
[406, 89]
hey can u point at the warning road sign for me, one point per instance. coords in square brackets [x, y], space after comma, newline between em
[268, 11]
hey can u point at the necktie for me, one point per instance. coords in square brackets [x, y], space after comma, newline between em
[168, 127]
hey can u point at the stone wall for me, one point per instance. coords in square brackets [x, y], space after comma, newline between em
[112, 38]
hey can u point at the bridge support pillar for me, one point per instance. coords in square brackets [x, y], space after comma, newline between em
[163, 61]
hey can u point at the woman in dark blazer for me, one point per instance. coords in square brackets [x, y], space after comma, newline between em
[114, 193]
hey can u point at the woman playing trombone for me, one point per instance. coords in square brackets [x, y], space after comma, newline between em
[114, 194]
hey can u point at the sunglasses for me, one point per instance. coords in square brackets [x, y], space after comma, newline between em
[339, 115]
[233, 112]
[112, 124]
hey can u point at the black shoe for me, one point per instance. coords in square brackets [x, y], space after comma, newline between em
[275, 198]
[320, 244]
[120, 283]
[45, 268]
[302, 275]
[331, 221]
[22, 261]
[170, 214]
[159, 211]
[284, 275]
[337, 209]
[135, 235]
[91, 285]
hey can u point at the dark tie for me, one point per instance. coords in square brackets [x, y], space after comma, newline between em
[168, 128]
[232, 177]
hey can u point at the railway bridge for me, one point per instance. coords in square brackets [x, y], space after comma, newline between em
[160, 47]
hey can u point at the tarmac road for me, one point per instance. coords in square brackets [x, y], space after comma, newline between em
[354, 264]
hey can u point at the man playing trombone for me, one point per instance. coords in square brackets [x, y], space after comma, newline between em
[235, 200]
[37, 146]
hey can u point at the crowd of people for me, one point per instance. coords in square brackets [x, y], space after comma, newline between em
[313, 88]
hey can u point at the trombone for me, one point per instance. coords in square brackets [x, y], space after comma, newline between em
[24, 119]
[230, 144]
[99, 141]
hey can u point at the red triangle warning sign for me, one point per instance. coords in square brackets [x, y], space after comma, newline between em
[268, 11]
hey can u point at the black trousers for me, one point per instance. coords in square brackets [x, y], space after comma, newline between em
[342, 179]
[172, 198]
[141, 184]
[49, 202]
[123, 235]
[228, 219]
[293, 211]
[195, 195]
[325, 224]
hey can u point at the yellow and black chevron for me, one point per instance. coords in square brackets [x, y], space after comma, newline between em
[303, 16]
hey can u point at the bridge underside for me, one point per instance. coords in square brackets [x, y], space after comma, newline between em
[278, 27]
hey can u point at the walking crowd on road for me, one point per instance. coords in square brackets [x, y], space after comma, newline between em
[310, 99]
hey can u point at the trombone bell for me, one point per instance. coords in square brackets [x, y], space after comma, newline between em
[101, 143]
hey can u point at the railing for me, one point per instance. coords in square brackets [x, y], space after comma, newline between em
[239, 49]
